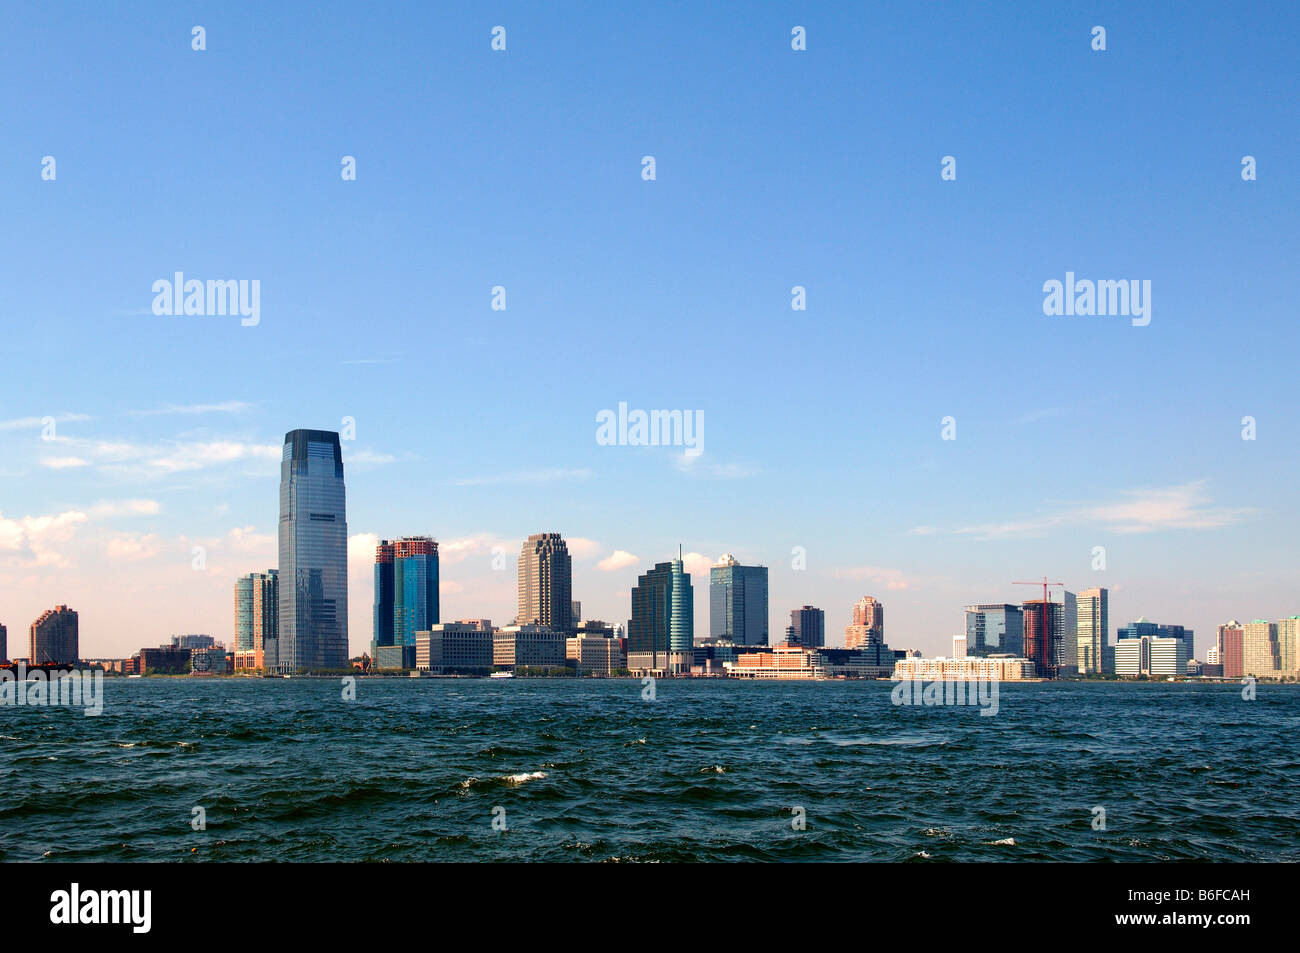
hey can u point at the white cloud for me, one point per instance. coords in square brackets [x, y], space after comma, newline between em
[618, 559]
[367, 457]
[33, 423]
[876, 575]
[481, 544]
[361, 547]
[582, 548]
[106, 509]
[697, 466]
[63, 463]
[527, 476]
[225, 407]
[1146, 510]
[126, 547]
[36, 540]
[169, 457]
[697, 563]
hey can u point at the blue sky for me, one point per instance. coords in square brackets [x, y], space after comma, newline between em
[774, 168]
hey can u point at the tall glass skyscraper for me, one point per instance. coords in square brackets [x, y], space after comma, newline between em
[415, 589]
[313, 553]
[382, 633]
[257, 611]
[737, 602]
[648, 629]
[681, 628]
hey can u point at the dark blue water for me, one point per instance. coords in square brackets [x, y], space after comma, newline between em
[588, 771]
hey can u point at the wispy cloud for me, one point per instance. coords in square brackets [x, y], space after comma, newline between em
[876, 575]
[526, 476]
[697, 466]
[104, 510]
[33, 423]
[1145, 510]
[168, 457]
[63, 463]
[368, 457]
[225, 407]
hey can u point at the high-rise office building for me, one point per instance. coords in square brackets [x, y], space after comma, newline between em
[995, 629]
[1143, 627]
[648, 629]
[959, 646]
[4, 643]
[808, 627]
[1043, 633]
[546, 583]
[381, 632]
[257, 614]
[313, 616]
[1288, 645]
[1259, 649]
[661, 632]
[415, 590]
[1093, 624]
[868, 625]
[681, 626]
[54, 638]
[737, 602]
[1067, 644]
[1230, 649]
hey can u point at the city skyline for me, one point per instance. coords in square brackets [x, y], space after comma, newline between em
[138, 451]
[539, 542]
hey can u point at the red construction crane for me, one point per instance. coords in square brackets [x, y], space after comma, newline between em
[1044, 584]
[1042, 652]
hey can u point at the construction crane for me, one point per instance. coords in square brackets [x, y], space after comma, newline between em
[1043, 663]
[1044, 584]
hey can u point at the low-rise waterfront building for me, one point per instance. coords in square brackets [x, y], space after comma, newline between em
[464, 647]
[210, 660]
[164, 660]
[874, 660]
[595, 654]
[1156, 656]
[660, 664]
[531, 646]
[1004, 668]
[785, 661]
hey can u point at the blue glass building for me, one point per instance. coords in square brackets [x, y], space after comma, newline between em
[313, 538]
[1140, 628]
[415, 589]
[996, 629]
[382, 614]
[738, 602]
